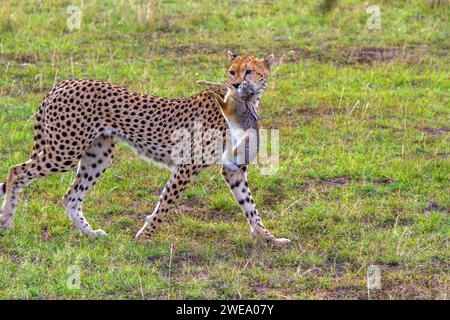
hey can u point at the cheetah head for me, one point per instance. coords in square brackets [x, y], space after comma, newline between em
[249, 75]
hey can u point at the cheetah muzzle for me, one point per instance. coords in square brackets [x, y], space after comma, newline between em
[79, 122]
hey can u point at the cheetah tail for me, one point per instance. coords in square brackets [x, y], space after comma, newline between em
[212, 85]
[39, 134]
[2, 190]
[219, 99]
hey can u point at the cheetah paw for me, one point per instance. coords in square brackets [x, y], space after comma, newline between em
[99, 233]
[2, 191]
[145, 233]
[265, 235]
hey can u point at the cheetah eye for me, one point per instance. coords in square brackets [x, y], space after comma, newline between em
[247, 72]
[232, 72]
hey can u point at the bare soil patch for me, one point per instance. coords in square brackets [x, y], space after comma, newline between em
[434, 206]
[178, 258]
[383, 182]
[339, 56]
[383, 54]
[113, 216]
[181, 50]
[188, 257]
[395, 282]
[439, 155]
[45, 234]
[324, 183]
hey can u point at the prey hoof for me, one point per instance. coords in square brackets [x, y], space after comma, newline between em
[141, 237]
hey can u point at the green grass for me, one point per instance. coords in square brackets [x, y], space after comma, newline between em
[363, 118]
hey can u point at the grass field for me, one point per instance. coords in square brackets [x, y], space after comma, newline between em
[363, 178]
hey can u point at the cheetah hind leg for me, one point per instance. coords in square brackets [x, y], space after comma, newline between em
[2, 195]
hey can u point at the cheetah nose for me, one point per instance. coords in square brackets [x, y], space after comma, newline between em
[236, 85]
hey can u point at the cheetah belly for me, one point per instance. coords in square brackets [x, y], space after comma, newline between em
[148, 154]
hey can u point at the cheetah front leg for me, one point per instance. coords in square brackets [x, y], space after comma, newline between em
[172, 191]
[2, 190]
[237, 181]
[19, 176]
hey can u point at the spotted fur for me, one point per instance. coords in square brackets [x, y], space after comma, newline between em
[76, 126]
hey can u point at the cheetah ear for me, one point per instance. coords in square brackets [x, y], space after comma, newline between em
[269, 61]
[231, 55]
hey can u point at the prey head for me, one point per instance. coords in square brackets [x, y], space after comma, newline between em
[248, 74]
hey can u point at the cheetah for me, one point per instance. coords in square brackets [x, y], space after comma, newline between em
[79, 122]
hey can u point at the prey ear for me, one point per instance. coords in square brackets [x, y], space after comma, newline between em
[231, 55]
[212, 85]
[269, 61]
